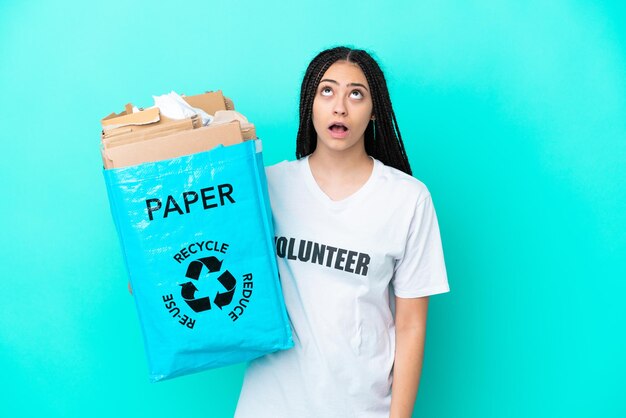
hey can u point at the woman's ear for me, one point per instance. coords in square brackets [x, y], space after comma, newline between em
[373, 117]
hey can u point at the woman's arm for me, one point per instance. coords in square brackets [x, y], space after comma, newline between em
[410, 337]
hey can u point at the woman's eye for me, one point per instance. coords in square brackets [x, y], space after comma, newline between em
[356, 94]
[326, 91]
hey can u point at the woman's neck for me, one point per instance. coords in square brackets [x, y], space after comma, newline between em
[339, 174]
[340, 164]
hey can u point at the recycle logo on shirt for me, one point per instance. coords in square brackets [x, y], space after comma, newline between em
[195, 271]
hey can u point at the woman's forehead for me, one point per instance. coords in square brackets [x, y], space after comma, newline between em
[345, 73]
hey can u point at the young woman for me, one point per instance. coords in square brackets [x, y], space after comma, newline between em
[359, 252]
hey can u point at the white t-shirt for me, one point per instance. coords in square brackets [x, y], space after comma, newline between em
[339, 261]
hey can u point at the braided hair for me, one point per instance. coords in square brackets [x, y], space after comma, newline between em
[382, 135]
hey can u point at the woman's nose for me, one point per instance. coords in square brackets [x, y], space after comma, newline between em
[339, 107]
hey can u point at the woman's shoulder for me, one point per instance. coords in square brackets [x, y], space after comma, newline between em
[401, 182]
[282, 165]
[283, 170]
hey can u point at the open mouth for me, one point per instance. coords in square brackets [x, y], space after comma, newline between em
[338, 127]
[338, 130]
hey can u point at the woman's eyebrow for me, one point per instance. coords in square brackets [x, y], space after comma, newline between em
[349, 84]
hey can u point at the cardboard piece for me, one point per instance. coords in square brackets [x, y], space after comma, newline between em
[210, 102]
[129, 134]
[127, 117]
[229, 104]
[172, 146]
[249, 133]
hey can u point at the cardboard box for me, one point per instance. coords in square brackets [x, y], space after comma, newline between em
[172, 146]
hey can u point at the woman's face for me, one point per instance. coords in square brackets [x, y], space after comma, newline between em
[342, 107]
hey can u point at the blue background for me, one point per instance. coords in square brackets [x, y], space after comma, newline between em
[513, 114]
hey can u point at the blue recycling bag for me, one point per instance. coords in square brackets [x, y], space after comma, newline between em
[197, 238]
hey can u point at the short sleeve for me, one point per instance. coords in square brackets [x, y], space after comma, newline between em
[421, 270]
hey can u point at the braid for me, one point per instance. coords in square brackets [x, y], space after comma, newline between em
[385, 126]
[307, 137]
[382, 135]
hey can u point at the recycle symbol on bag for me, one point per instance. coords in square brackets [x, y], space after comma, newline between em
[194, 271]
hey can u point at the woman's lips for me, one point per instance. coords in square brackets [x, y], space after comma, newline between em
[338, 131]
